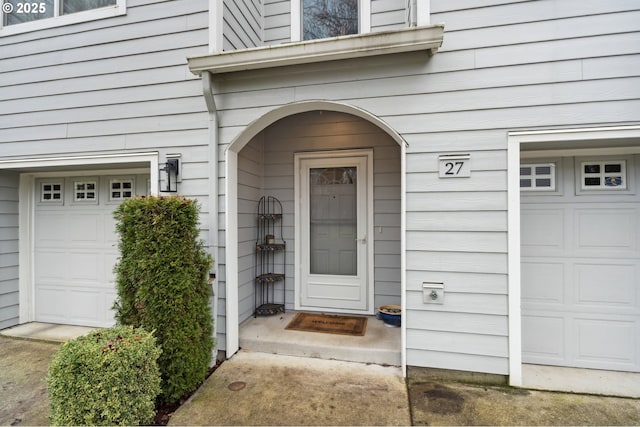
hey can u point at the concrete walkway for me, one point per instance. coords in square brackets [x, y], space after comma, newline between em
[289, 390]
[265, 389]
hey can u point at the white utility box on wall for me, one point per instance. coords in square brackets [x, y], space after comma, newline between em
[433, 292]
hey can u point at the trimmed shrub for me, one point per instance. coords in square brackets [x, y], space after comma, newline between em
[108, 377]
[162, 281]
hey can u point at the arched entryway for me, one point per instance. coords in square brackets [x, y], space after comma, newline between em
[266, 159]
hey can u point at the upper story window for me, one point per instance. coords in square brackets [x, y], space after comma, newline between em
[329, 18]
[28, 15]
[319, 19]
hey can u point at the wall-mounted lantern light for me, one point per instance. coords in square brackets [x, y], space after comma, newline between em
[170, 169]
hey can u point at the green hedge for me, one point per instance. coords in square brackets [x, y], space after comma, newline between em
[108, 377]
[162, 281]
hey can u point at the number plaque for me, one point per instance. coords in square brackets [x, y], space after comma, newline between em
[455, 165]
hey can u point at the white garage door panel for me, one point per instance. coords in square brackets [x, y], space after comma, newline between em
[546, 347]
[580, 266]
[542, 282]
[52, 304]
[606, 228]
[606, 343]
[52, 268]
[49, 228]
[85, 229]
[86, 268]
[75, 252]
[542, 229]
[609, 286]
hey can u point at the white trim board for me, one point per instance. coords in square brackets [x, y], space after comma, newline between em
[608, 135]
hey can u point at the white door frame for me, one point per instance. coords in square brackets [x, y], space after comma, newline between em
[546, 138]
[298, 227]
[26, 207]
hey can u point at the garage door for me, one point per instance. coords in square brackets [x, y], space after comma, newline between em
[75, 246]
[581, 262]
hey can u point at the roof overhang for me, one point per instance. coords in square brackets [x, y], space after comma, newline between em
[426, 38]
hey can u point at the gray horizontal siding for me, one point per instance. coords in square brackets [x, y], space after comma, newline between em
[9, 183]
[388, 15]
[110, 86]
[277, 22]
[504, 65]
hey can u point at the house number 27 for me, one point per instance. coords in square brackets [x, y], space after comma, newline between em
[455, 166]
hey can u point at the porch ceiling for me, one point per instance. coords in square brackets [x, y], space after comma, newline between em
[426, 38]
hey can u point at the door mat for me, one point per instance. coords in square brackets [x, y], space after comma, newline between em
[328, 324]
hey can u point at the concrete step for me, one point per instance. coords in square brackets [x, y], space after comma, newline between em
[380, 345]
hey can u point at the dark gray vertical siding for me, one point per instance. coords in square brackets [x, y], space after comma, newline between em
[9, 309]
[242, 24]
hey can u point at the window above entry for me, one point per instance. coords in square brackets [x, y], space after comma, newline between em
[332, 18]
[21, 16]
[318, 19]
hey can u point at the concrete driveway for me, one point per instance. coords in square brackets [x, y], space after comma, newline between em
[23, 387]
[264, 389]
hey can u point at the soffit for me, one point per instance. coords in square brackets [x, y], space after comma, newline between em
[426, 38]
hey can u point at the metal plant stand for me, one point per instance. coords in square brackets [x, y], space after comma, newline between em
[270, 259]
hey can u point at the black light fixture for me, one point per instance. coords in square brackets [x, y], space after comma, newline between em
[170, 169]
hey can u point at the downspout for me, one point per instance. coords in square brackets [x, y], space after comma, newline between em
[208, 91]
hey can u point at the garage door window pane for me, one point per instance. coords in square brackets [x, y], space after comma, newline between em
[604, 175]
[51, 192]
[538, 177]
[121, 189]
[85, 191]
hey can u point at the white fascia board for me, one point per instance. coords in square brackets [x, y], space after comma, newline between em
[427, 38]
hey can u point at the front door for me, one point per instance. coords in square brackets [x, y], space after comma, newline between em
[333, 231]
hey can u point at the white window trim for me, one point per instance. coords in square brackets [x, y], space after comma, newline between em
[364, 18]
[120, 8]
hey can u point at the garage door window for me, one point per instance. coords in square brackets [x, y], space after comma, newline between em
[121, 189]
[538, 177]
[51, 192]
[604, 175]
[85, 191]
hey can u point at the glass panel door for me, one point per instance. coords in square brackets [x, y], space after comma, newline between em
[333, 221]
